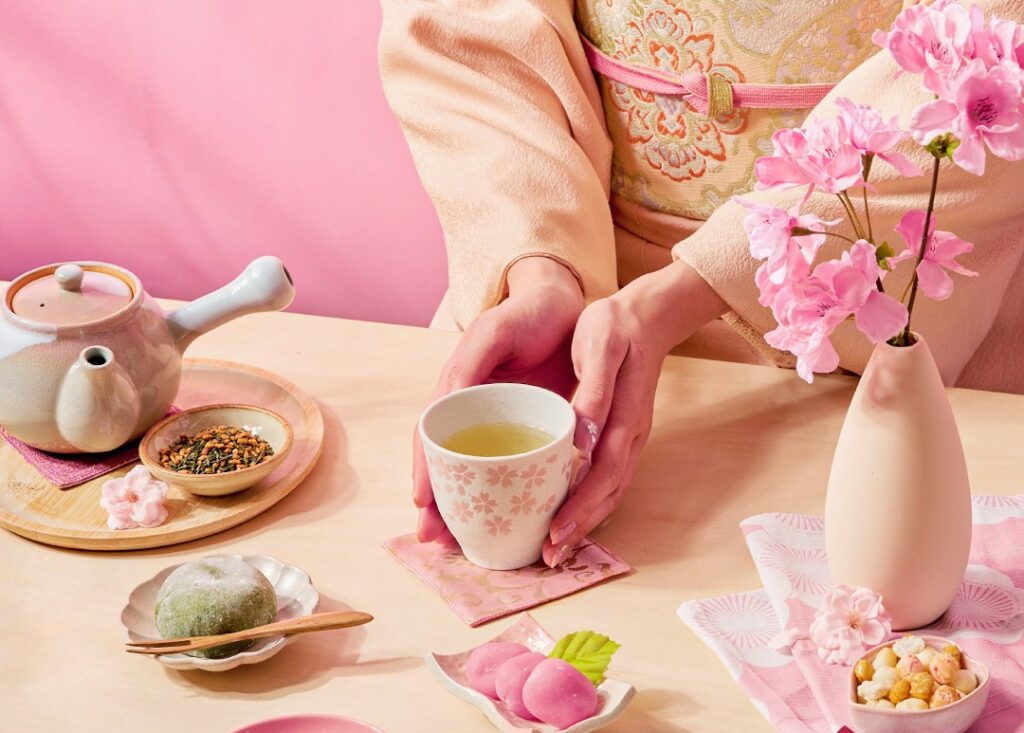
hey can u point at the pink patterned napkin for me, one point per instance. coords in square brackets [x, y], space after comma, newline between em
[478, 595]
[66, 471]
[794, 689]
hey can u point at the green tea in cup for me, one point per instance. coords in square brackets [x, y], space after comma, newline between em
[497, 439]
[500, 459]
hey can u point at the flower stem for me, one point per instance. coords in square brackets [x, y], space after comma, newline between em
[867, 215]
[924, 247]
[833, 234]
[844, 199]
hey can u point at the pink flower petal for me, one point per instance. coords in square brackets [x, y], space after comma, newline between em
[933, 280]
[902, 164]
[970, 155]
[881, 317]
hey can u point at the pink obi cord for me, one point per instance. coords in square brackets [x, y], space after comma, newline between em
[709, 94]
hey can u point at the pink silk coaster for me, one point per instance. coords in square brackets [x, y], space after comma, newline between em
[478, 595]
[794, 689]
[65, 471]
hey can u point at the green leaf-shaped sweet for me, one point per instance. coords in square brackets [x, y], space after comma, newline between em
[589, 652]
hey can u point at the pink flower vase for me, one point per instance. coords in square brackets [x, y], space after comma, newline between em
[898, 512]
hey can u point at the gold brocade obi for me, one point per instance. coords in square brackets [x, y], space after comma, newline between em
[672, 159]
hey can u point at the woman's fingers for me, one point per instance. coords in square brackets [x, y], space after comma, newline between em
[626, 431]
[556, 554]
[422, 493]
[430, 525]
[482, 347]
[598, 352]
[486, 343]
[588, 506]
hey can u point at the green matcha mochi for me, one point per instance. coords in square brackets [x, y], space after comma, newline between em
[217, 595]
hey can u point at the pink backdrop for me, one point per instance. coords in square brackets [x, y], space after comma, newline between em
[181, 139]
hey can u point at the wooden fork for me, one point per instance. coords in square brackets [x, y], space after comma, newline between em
[300, 625]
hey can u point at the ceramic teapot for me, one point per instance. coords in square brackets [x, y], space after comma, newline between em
[88, 360]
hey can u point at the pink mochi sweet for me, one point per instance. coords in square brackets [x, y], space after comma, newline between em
[559, 694]
[511, 677]
[483, 663]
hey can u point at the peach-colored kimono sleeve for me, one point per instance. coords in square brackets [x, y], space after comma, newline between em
[504, 121]
[984, 210]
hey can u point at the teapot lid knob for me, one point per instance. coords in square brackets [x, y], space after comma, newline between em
[69, 277]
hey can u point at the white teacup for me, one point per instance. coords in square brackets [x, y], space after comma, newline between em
[500, 508]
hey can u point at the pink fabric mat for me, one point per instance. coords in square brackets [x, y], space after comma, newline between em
[65, 471]
[794, 689]
[478, 595]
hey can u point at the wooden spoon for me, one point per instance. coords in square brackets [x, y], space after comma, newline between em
[300, 625]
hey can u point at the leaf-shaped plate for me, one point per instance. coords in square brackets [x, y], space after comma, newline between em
[613, 696]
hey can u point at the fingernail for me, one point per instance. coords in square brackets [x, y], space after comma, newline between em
[561, 556]
[563, 534]
[585, 437]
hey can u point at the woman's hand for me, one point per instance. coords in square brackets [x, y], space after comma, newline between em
[618, 350]
[526, 338]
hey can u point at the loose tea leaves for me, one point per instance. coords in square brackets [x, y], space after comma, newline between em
[219, 449]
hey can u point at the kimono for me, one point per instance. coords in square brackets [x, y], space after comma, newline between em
[526, 151]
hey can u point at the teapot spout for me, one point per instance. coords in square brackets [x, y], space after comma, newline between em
[265, 285]
[98, 405]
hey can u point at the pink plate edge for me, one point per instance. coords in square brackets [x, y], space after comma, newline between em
[274, 725]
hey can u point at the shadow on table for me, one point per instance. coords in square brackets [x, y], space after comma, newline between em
[702, 462]
[649, 709]
[308, 662]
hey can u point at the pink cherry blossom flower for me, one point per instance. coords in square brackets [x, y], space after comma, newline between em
[940, 255]
[984, 106]
[996, 42]
[819, 155]
[483, 503]
[809, 310]
[871, 135]
[770, 232]
[932, 40]
[134, 500]
[498, 525]
[849, 621]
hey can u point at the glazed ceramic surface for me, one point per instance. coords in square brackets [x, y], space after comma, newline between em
[310, 724]
[613, 696]
[955, 718]
[898, 511]
[296, 596]
[262, 423]
[89, 360]
[33, 507]
[500, 508]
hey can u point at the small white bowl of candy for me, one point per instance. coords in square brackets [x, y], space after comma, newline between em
[917, 684]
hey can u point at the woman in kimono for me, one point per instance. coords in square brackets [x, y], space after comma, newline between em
[558, 187]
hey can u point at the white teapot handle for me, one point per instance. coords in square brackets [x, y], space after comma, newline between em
[265, 285]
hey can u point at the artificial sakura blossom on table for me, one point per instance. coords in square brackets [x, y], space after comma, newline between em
[849, 622]
[973, 67]
[134, 500]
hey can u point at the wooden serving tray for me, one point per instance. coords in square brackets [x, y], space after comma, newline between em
[33, 507]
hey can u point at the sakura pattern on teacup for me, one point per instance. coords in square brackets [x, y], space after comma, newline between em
[502, 494]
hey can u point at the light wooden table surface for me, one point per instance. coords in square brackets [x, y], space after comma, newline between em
[729, 441]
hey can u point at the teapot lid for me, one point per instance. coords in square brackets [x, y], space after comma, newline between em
[72, 295]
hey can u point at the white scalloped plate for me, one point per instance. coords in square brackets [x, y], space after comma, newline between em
[296, 596]
[612, 696]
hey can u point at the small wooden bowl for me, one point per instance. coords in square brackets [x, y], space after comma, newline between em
[954, 718]
[267, 425]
